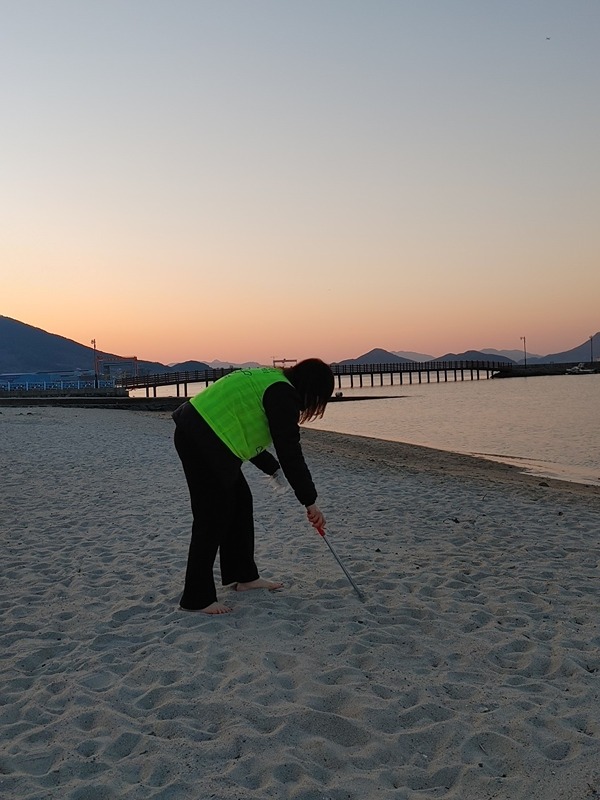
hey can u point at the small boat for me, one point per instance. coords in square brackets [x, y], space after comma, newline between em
[580, 369]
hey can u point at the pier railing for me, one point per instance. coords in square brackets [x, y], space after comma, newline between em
[204, 376]
[409, 371]
[414, 366]
[422, 371]
[31, 384]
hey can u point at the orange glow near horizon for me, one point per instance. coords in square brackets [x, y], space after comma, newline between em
[269, 194]
[169, 340]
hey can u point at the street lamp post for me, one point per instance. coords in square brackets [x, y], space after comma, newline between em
[524, 340]
[93, 342]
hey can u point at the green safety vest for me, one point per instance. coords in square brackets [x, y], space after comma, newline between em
[233, 408]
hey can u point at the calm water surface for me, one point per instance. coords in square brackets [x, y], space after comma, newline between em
[545, 425]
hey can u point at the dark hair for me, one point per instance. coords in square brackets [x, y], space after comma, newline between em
[313, 380]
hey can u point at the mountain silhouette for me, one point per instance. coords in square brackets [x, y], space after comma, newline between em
[185, 366]
[582, 352]
[377, 356]
[587, 351]
[514, 355]
[380, 356]
[26, 349]
[420, 358]
[475, 355]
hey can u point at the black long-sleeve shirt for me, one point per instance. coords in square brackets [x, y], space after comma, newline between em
[282, 406]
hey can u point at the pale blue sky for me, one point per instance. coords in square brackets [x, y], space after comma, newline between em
[333, 175]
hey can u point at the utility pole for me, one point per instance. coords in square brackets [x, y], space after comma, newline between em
[524, 340]
[93, 342]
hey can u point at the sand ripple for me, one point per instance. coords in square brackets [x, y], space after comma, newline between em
[470, 671]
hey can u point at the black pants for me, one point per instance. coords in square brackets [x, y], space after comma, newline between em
[222, 520]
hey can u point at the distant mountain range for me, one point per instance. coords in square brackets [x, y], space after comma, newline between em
[379, 356]
[513, 355]
[216, 364]
[582, 352]
[26, 349]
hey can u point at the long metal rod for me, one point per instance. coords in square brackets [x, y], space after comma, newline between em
[321, 533]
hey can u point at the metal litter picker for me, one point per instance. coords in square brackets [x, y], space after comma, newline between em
[321, 533]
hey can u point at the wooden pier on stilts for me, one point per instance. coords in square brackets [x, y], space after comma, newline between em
[356, 374]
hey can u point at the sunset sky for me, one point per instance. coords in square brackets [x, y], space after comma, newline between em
[249, 179]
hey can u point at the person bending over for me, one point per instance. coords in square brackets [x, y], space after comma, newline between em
[232, 421]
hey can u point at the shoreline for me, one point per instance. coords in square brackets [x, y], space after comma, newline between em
[422, 455]
[579, 470]
[542, 470]
[430, 460]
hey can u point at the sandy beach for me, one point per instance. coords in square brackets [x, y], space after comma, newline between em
[471, 671]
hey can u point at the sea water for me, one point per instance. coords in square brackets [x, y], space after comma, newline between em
[548, 426]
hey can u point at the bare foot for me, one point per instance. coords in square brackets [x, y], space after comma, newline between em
[213, 608]
[259, 583]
